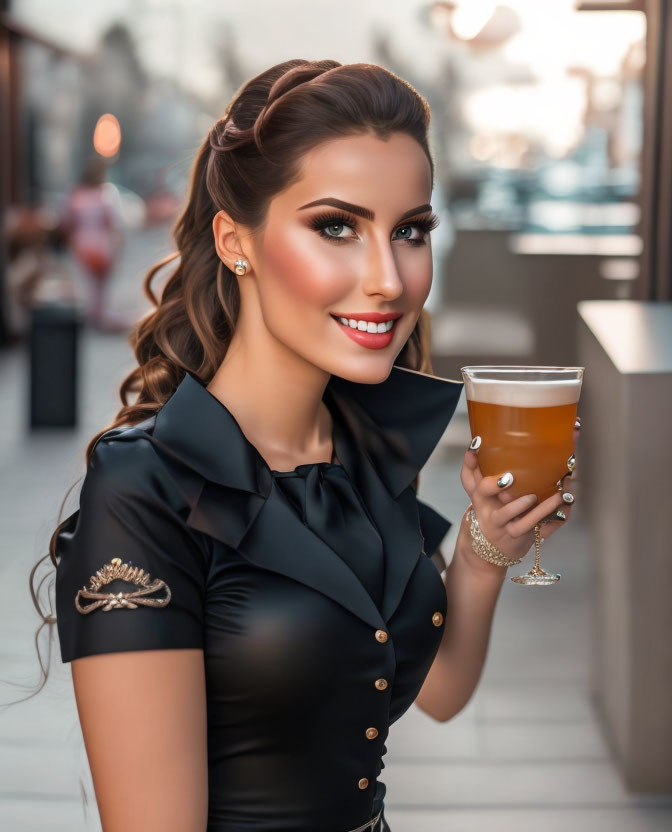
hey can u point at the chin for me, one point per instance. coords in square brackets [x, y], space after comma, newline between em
[365, 372]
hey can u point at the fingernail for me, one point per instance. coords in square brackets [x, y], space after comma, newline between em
[571, 462]
[567, 497]
[560, 514]
[505, 479]
[577, 422]
[531, 498]
[475, 443]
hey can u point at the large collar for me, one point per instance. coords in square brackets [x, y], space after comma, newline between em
[383, 433]
[396, 423]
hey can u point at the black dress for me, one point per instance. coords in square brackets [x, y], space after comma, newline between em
[311, 592]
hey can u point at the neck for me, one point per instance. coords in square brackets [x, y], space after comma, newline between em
[276, 398]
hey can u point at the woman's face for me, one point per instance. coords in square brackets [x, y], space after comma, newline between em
[346, 250]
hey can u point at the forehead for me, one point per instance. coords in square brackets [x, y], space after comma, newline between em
[386, 175]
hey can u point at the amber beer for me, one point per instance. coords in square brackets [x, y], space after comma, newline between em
[526, 426]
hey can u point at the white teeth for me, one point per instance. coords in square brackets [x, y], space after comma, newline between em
[367, 326]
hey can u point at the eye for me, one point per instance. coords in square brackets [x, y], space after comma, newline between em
[330, 226]
[423, 225]
[408, 229]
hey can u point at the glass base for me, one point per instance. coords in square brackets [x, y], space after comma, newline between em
[537, 577]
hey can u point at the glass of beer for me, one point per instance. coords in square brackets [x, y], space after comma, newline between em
[525, 417]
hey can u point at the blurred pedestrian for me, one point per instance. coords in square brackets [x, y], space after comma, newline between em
[91, 222]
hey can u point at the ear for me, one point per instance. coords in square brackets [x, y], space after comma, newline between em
[227, 234]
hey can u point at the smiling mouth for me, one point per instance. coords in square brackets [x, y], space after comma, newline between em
[366, 326]
[370, 334]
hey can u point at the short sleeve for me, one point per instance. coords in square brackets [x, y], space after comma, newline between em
[434, 527]
[127, 535]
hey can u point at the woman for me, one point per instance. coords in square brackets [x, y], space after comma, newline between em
[90, 220]
[246, 592]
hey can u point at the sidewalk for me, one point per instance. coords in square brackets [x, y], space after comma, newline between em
[525, 754]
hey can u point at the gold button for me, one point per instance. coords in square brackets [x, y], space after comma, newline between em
[437, 619]
[363, 783]
[371, 733]
[381, 635]
[381, 684]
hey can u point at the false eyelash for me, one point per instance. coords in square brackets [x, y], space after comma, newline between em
[321, 221]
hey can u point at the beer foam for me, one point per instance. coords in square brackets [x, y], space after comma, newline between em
[523, 393]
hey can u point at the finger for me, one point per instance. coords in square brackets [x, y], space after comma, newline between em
[471, 459]
[503, 515]
[471, 473]
[488, 486]
[526, 523]
[468, 477]
[553, 523]
[506, 496]
[559, 515]
[474, 448]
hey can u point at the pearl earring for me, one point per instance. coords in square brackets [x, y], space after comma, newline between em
[240, 266]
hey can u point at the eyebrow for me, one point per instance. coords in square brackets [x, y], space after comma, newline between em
[367, 213]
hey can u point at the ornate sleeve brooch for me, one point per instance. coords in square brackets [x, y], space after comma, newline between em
[116, 569]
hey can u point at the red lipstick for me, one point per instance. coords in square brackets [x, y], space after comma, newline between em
[371, 340]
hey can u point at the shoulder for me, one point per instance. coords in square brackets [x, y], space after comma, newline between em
[119, 451]
[128, 501]
[127, 492]
[125, 462]
[129, 510]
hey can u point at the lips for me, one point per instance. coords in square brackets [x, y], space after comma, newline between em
[371, 340]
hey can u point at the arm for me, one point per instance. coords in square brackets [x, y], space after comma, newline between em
[138, 672]
[472, 589]
[143, 717]
[473, 585]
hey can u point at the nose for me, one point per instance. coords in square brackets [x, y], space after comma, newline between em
[382, 272]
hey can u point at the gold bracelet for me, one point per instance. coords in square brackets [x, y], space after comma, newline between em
[482, 546]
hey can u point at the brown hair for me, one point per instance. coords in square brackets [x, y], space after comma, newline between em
[251, 153]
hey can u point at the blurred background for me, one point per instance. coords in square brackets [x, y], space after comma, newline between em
[552, 136]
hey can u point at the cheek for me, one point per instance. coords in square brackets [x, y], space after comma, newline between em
[303, 272]
[416, 274]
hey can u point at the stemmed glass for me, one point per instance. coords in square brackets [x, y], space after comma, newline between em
[525, 417]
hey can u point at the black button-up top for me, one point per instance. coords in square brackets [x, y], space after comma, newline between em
[311, 592]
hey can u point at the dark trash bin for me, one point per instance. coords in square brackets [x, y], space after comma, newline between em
[54, 338]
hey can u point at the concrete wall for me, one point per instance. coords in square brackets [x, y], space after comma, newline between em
[626, 406]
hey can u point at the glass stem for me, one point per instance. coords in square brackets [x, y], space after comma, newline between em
[537, 548]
